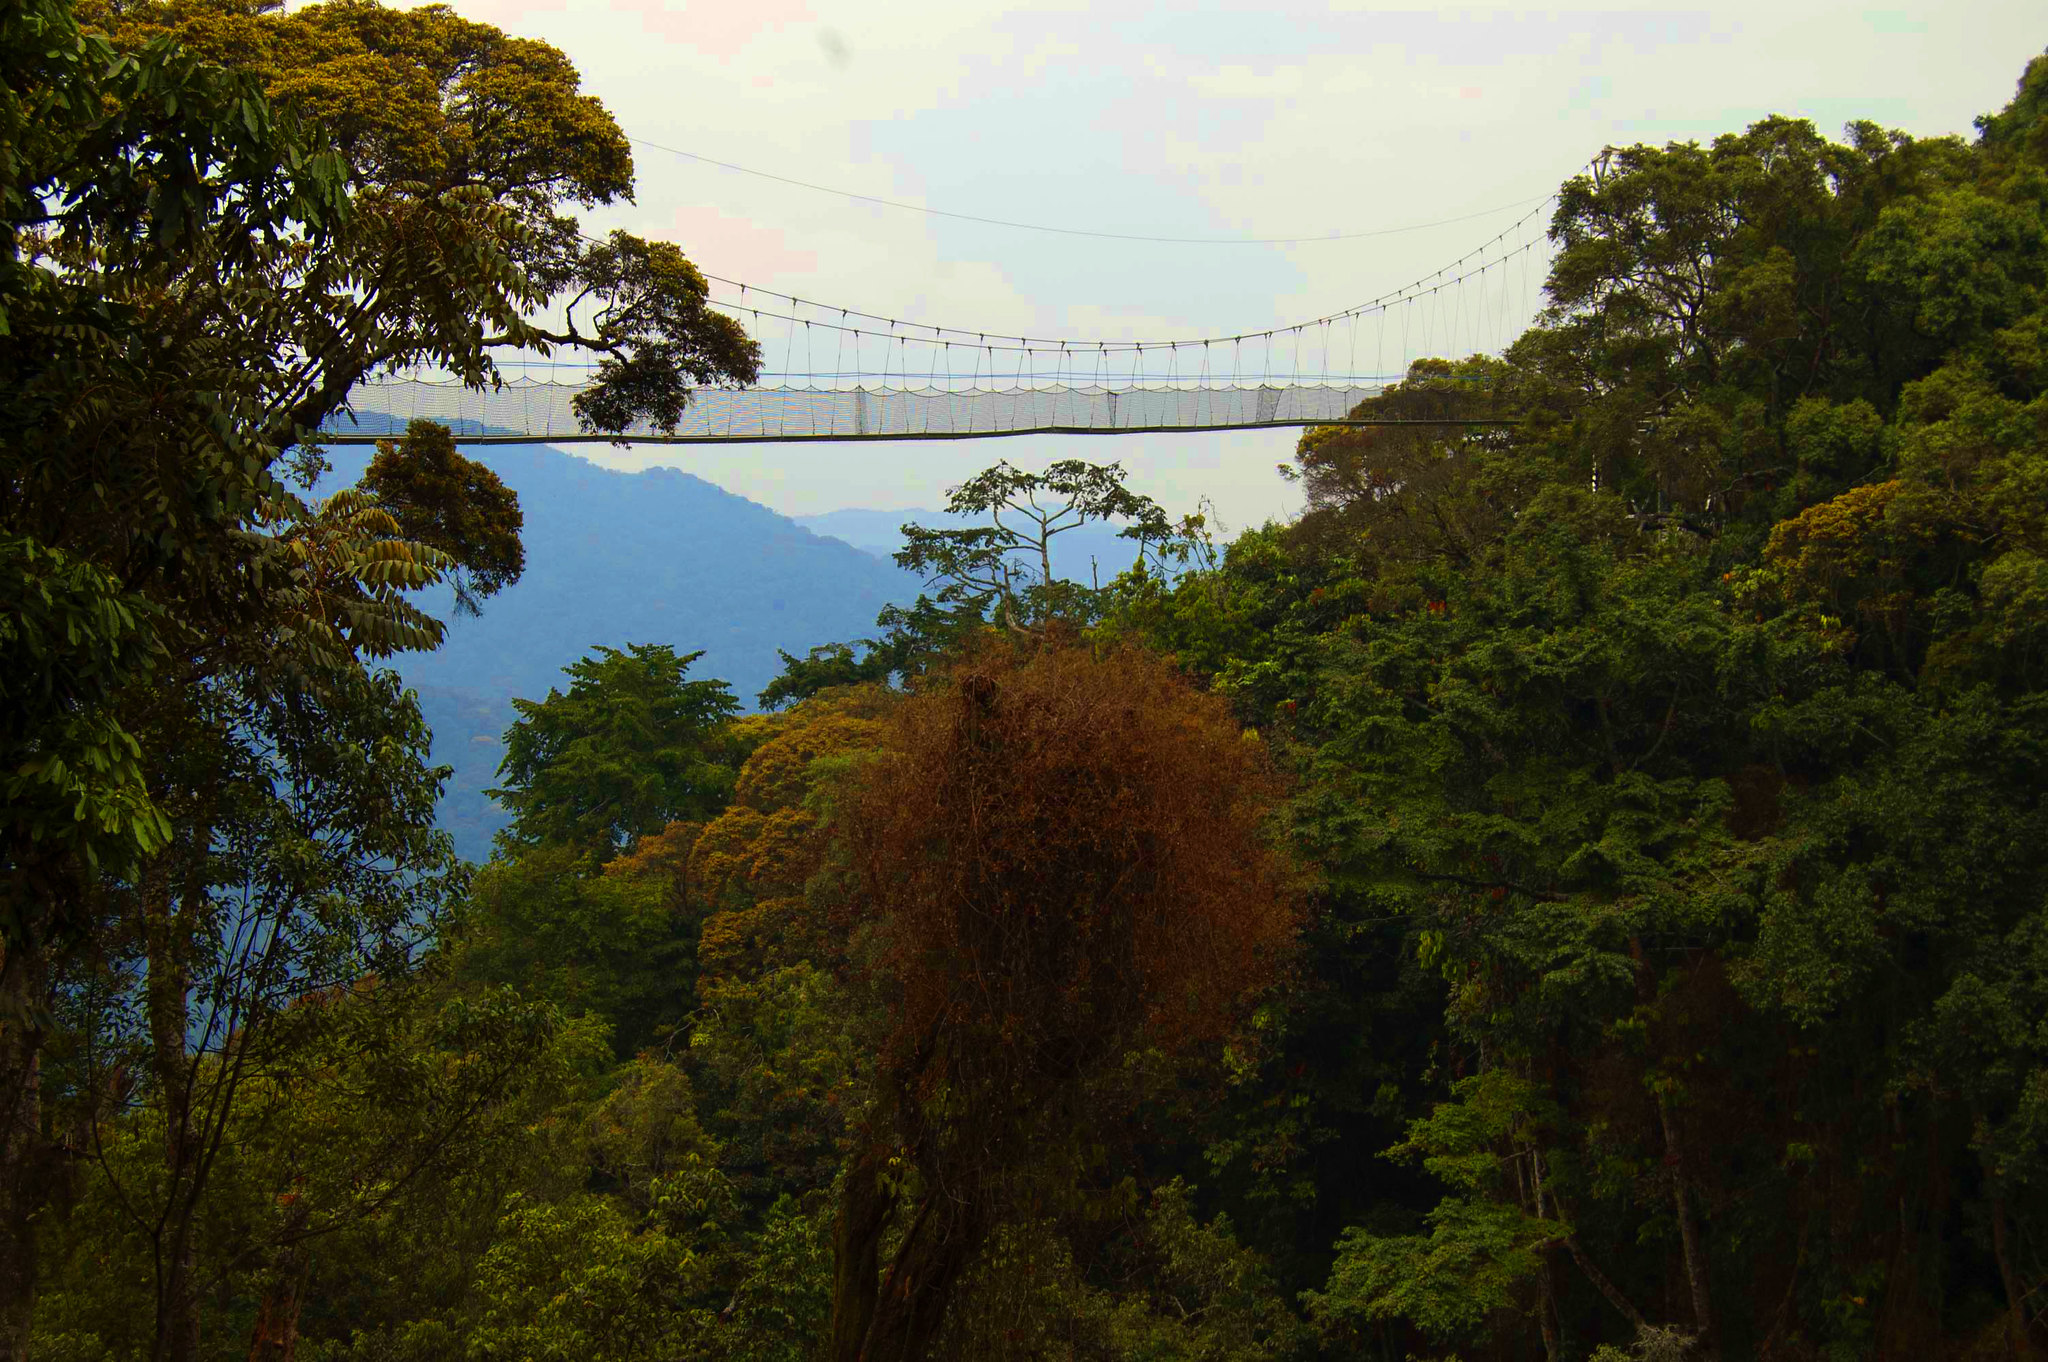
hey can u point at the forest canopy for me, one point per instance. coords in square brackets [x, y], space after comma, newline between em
[1579, 891]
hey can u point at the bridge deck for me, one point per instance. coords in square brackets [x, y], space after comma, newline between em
[525, 412]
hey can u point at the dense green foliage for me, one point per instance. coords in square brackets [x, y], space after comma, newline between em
[624, 753]
[438, 497]
[1575, 893]
[219, 871]
[1675, 759]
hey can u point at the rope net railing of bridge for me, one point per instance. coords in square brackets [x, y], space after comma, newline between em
[541, 411]
[839, 373]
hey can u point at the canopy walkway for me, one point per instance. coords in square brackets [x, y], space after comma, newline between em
[540, 412]
[845, 374]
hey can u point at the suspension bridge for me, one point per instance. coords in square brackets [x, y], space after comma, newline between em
[840, 373]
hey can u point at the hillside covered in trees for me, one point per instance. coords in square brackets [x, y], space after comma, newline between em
[617, 558]
[1580, 891]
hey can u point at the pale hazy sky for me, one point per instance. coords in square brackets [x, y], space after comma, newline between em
[1213, 120]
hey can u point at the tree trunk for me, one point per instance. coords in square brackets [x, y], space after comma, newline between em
[1547, 1312]
[893, 1316]
[1782, 1321]
[1605, 1285]
[177, 1293]
[23, 1186]
[856, 1256]
[2015, 1299]
[1688, 1232]
[276, 1336]
[911, 1306]
[177, 1305]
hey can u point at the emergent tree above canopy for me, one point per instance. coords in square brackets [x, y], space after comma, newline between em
[467, 148]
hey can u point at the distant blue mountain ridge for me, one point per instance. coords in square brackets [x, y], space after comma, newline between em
[659, 556]
[614, 558]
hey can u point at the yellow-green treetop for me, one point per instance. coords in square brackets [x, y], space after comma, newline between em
[420, 96]
[467, 147]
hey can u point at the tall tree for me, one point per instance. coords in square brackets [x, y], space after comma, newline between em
[139, 193]
[303, 858]
[1703, 297]
[467, 149]
[999, 572]
[1006, 564]
[629, 748]
[301, 853]
[1058, 860]
[213, 293]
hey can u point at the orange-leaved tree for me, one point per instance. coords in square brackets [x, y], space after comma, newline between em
[1058, 861]
[769, 1051]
